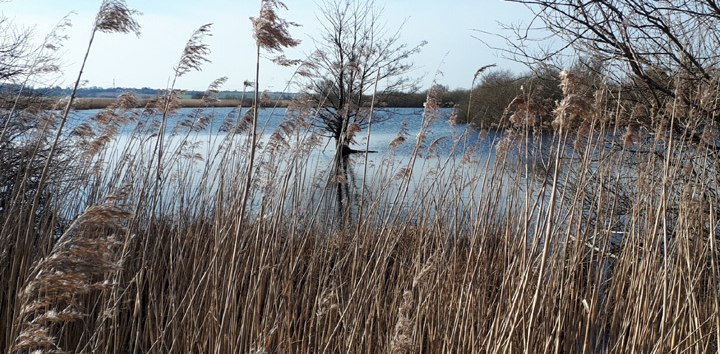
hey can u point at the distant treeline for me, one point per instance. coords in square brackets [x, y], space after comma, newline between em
[449, 98]
[485, 106]
[98, 97]
[145, 92]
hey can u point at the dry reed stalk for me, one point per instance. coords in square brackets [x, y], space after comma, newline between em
[113, 17]
[271, 34]
[43, 63]
[530, 261]
[75, 266]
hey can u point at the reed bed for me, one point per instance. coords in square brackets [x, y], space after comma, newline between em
[589, 238]
[582, 248]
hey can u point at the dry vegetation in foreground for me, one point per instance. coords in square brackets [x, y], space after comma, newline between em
[574, 255]
[606, 242]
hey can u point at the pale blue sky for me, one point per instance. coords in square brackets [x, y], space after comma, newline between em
[166, 25]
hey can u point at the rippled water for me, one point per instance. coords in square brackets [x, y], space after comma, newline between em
[450, 160]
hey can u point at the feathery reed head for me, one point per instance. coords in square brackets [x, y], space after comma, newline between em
[56, 38]
[165, 102]
[75, 266]
[574, 108]
[216, 85]
[432, 103]
[48, 56]
[285, 61]
[480, 71]
[195, 52]
[271, 31]
[115, 17]
[568, 82]
[401, 341]
[211, 94]
[524, 111]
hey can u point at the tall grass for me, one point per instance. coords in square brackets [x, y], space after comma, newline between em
[578, 240]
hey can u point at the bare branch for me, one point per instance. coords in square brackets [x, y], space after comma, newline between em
[354, 50]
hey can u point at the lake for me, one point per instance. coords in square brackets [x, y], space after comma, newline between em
[450, 161]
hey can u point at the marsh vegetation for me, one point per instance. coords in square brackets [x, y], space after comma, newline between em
[583, 217]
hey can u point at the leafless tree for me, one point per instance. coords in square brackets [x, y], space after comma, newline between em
[662, 63]
[656, 52]
[650, 38]
[23, 142]
[355, 50]
[14, 51]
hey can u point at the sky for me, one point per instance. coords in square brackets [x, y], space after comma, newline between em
[451, 56]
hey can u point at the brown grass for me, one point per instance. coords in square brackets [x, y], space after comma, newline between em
[595, 245]
[537, 262]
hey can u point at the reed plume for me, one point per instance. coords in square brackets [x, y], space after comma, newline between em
[115, 16]
[271, 34]
[78, 264]
[540, 245]
[195, 53]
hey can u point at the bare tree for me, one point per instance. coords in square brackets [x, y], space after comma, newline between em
[653, 40]
[354, 51]
[23, 142]
[14, 51]
[662, 63]
[660, 57]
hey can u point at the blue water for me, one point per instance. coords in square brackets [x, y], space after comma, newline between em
[388, 123]
[450, 160]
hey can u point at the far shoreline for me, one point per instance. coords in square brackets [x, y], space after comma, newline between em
[102, 103]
